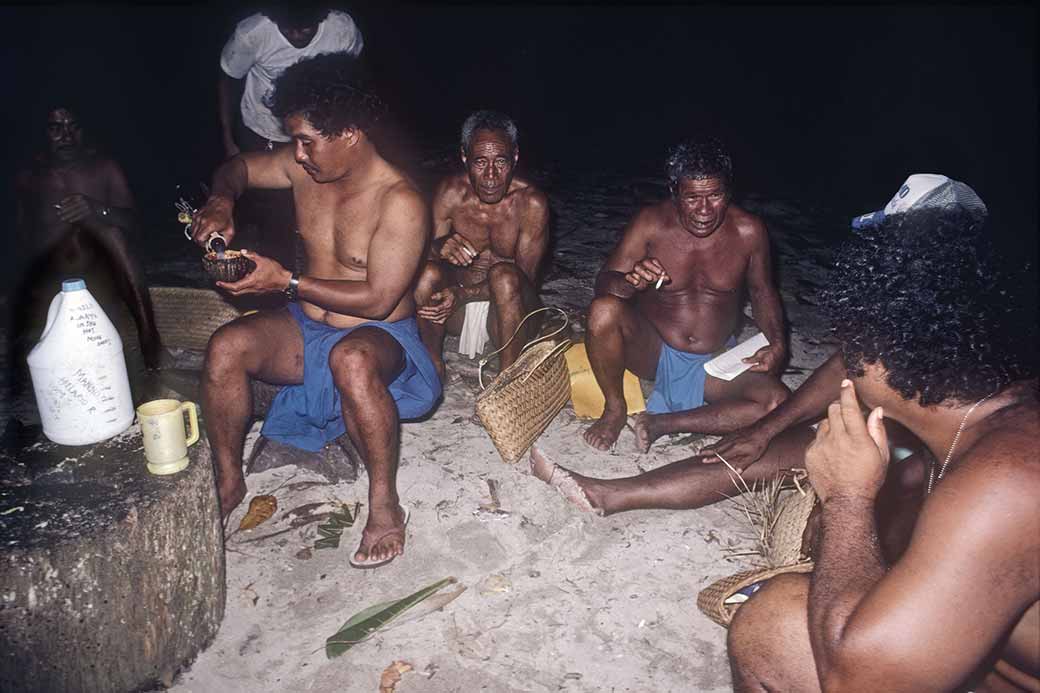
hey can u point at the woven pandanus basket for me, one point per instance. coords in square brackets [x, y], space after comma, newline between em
[187, 318]
[524, 398]
[785, 555]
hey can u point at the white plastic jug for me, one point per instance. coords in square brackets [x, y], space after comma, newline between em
[78, 371]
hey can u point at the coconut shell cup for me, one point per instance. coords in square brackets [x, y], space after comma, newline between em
[233, 267]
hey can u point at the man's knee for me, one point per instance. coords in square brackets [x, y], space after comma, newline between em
[354, 365]
[760, 625]
[605, 314]
[774, 396]
[431, 280]
[505, 282]
[227, 349]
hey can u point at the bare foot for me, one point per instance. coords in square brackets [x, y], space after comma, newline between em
[383, 538]
[646, 432]
[566, 483]
[604, 433]
[231, 492]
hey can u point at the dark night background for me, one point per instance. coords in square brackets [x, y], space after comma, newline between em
[832, 107]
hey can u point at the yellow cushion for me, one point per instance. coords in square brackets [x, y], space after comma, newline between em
[585, 393]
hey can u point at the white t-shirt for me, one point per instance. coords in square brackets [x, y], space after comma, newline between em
[259, 52]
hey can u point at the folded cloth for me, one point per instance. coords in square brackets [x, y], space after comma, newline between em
[309, 415]
[474, 333]
[587, 398]
[679, 382]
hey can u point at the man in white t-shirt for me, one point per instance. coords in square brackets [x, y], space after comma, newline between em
[262, 47]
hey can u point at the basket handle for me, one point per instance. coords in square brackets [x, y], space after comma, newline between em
[566, 321]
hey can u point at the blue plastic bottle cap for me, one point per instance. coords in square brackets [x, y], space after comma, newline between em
[73, 285]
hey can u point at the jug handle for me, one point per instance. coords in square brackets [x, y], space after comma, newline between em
[193, 422]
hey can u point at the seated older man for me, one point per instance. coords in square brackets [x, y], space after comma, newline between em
[670, 296]
[490, 235]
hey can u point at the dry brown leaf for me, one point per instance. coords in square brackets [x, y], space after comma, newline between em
[261, 508]
[392, 675]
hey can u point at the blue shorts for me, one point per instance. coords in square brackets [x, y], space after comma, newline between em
[309, 415]
[679, 382]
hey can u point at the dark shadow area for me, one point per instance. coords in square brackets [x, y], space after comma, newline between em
[832, 107]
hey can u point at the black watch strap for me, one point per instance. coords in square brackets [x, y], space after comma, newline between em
[294, 286]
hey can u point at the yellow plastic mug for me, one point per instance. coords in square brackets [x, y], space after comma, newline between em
[165, 440]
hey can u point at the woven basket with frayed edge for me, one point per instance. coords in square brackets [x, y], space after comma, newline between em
[521, 402]
[712, 599]
[187, 318]
[785, 553]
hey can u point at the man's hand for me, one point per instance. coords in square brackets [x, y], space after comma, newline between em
[849, 457]
[214, 217]
[268, 277]
[440, 307]
[740, 449]
[768, 359]
[646, 272]
[458, 250]
[78, 208]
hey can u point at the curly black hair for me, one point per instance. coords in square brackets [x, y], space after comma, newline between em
[331, 92]
[924, 296]
[699, 158]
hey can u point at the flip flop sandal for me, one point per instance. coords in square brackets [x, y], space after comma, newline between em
[365, 565]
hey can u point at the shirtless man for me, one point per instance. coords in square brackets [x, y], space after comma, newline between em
[669, 297]
[74, 212]
[347, 346]
[939, 590]
[490, 234]
[771, 444]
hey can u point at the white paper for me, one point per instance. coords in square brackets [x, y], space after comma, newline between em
[729, 365]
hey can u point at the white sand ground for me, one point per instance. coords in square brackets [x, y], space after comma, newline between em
[557, 600]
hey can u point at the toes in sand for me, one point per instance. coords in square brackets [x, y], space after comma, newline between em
[604, 433]
[562, 480]
[641, 427]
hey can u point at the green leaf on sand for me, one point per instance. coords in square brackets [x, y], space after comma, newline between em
[363, 624]
[331, 529]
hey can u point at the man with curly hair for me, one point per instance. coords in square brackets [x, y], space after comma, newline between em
[262, 46]
[926, 574]
[490, 235]
[347, 346]
[670, 296]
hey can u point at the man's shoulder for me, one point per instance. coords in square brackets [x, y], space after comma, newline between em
[1003, 463]
[401, 194]
[252, 23]
[105, 165]
[653, 218]
[338, 19]
[452, 189]
[745, 222]
[530, 196]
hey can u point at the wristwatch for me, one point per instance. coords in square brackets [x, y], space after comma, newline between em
[294, 286]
